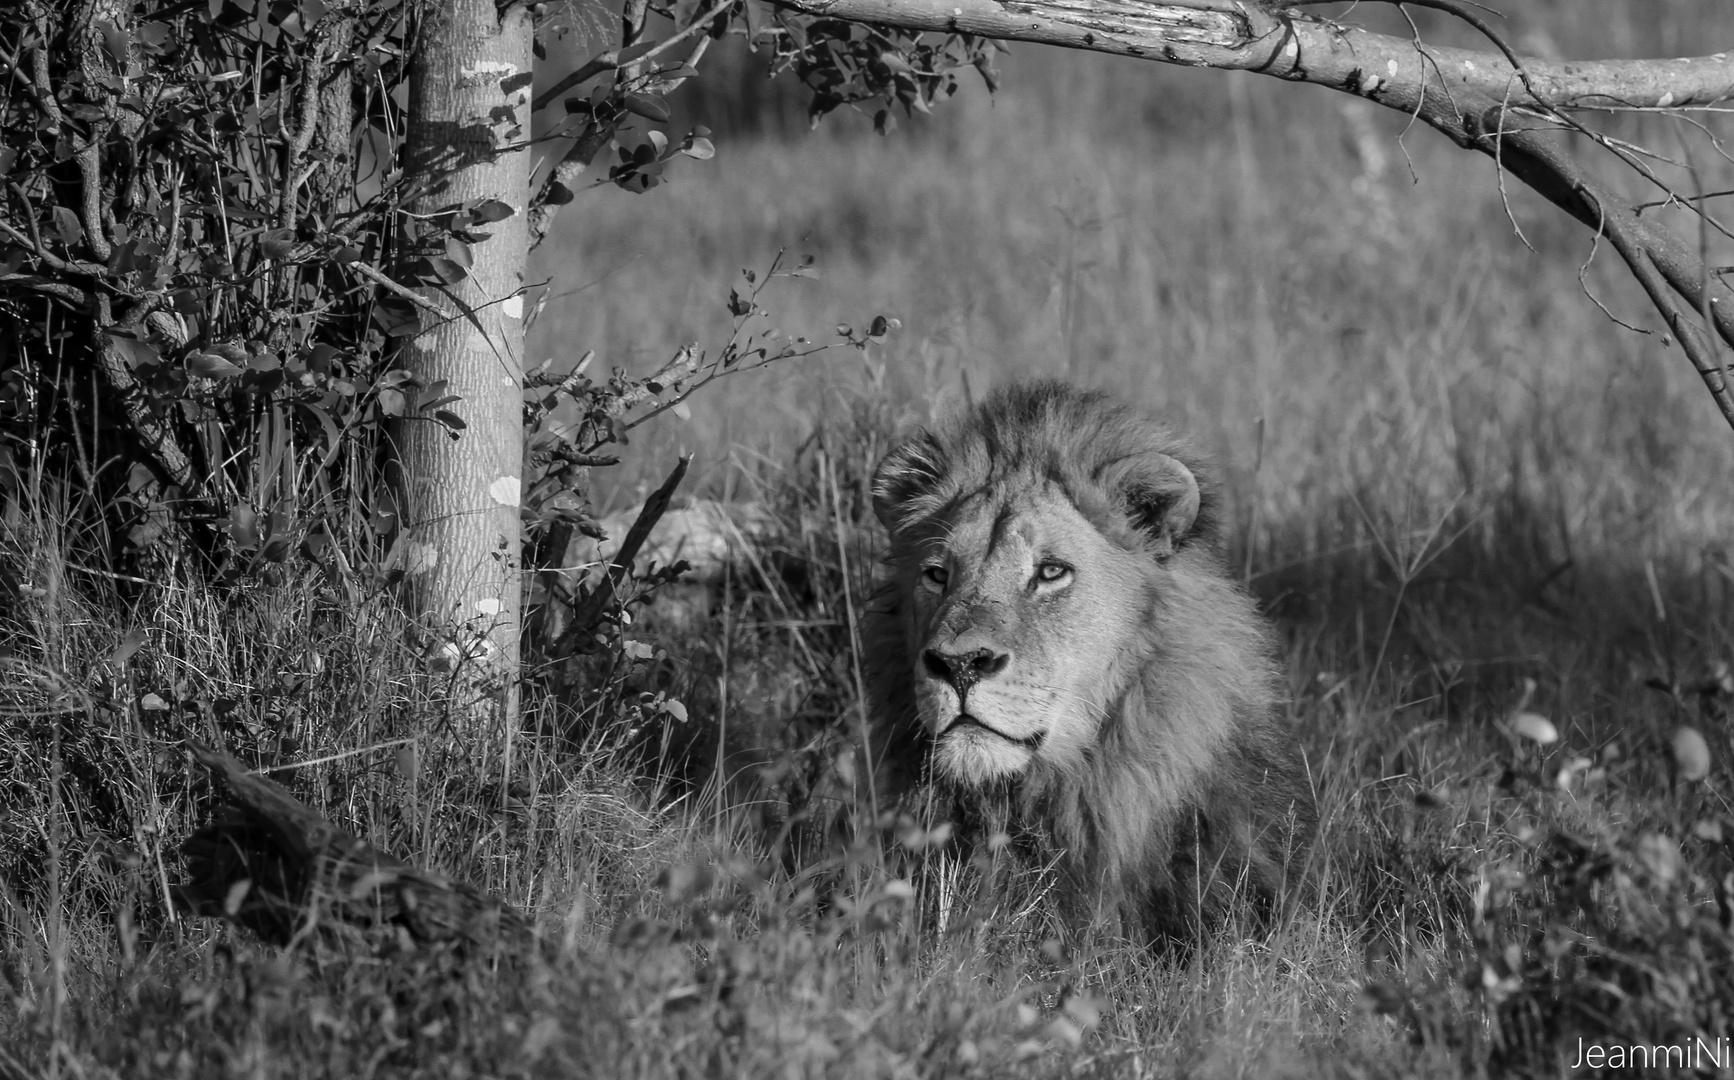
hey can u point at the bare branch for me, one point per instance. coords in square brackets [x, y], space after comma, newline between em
[1471, 97]
[1270, 39]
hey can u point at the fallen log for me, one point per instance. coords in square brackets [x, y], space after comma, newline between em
[273, 865]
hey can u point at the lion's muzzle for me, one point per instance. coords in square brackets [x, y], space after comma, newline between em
[964, 669]
[1031, 743]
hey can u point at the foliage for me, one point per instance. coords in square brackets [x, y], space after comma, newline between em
[1615, 933]
[846, 63]
[206, 254]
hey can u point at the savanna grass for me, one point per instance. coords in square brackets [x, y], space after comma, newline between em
[1452, 478]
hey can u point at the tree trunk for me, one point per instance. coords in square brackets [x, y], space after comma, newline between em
[469, 123]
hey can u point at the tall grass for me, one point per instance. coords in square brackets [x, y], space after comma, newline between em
[1449, 474]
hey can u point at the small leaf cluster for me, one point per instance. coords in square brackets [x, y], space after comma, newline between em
[853, 64]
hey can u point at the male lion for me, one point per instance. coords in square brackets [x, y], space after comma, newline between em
[1060, 650]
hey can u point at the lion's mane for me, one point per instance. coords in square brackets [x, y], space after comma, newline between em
[1192, 790]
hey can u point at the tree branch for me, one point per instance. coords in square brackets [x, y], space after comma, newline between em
[1509, 108]
[589, 610]
[158, 439]
[1257, 35]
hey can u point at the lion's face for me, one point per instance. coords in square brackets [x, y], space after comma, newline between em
[1033, 548]
[1020, 607]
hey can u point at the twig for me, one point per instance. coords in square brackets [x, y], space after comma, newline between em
[393, 287]
[329, 758]
[54, 261]
[585, 615]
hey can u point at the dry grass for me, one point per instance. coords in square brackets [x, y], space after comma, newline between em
[1450, 474]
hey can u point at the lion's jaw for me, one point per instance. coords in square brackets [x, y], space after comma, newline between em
[1051, 668]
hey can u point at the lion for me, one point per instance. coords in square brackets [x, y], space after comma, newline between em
[1058, 648]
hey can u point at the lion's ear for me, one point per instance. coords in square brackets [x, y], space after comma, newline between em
[907, 473]
[1162, 500]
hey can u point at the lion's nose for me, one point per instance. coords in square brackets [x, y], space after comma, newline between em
[963, 670]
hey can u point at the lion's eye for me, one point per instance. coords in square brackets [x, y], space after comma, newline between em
[936, 574]
[1050, 572]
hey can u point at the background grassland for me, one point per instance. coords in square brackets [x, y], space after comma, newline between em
[1448, 474]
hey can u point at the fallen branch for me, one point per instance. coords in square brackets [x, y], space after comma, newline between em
[273, 865]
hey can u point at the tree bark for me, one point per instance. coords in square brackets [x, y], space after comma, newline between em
[1519, 111]
[468, 130]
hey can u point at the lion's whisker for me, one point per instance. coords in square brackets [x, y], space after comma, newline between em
[1094, 707]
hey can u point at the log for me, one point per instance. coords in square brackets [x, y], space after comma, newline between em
[273, 865]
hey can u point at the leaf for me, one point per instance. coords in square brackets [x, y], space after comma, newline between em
[648, 106]
[450, 419]
[1535, 727]
[459, 252]
[1691, 753]
[115, 42]
[398, 322]
[276, 549]
[633, 52]
[278, 244]
[333, 435]
[392, 403]
[208, 365]
[315, 544]
[244, 526]
[154, 37]
[511, 84]
[133, 641]
[490, 210]
[230, 351]
[135, 353]
[699, 149]
[442, 271]
[66, 223]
